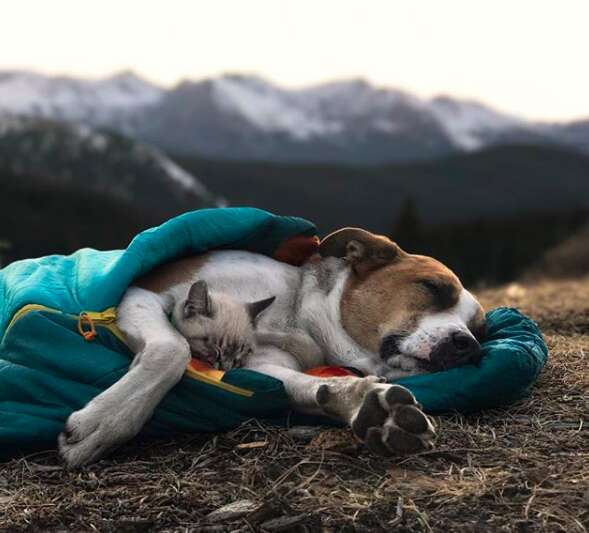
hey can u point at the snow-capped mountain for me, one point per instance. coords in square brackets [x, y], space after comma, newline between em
[245, 117]
[472, 125]
[237, 117]
[98, 102]
[73, 154]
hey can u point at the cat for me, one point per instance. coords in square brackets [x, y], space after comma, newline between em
[223, 331]
[219, 329]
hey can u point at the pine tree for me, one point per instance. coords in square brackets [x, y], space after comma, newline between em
[408, 229]
[4, 249]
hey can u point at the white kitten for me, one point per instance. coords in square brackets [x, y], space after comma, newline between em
[220, 330]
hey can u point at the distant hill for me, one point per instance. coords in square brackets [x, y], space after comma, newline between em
[65, 186]
[493, 183]
[79, 157]
[237, 117]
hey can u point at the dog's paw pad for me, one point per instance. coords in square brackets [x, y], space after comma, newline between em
[411, 419]
[399, 395]
[374, 442]
[402, 442]
[370, 415]
[322, 396]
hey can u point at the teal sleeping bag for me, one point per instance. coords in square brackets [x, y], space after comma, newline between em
[48, 369]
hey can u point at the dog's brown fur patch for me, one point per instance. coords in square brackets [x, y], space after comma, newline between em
[394, 297]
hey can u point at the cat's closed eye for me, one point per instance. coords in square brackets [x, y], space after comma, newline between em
[204, 339]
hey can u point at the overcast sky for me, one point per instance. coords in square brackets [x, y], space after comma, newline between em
[528, 57]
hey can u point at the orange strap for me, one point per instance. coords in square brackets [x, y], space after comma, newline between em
[320, 371]
[331, 372]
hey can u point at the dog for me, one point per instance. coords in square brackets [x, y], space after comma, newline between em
[362, 300]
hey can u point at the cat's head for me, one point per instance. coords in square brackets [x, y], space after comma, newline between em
[219, 329]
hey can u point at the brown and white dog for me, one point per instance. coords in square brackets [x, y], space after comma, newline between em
[362, 301]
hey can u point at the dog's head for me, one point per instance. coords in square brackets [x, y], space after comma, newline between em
[400, 305]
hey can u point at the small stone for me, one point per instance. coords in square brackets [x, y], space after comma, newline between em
[232, 511]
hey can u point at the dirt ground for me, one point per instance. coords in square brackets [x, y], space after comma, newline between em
[522, 469]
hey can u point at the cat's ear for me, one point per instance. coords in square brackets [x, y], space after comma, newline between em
[255, 308]
[198, 301]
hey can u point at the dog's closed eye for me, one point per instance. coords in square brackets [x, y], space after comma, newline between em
[443, 293]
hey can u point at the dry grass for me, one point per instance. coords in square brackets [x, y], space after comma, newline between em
[521, 469]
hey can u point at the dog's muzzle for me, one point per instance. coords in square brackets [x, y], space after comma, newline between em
[458, 349]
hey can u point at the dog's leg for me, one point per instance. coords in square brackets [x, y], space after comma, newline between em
[386, 417]
[119, 413]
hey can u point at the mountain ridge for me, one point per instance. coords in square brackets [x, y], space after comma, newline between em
[245, 117]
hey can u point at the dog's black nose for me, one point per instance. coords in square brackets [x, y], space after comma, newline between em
[465, 345]
[390, 346]
[459, 348]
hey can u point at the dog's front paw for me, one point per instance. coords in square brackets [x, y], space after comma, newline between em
[89, 434]
[385, 417]
[391, 423]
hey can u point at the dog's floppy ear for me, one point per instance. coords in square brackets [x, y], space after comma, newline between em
[365, 251]
[198, 301]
